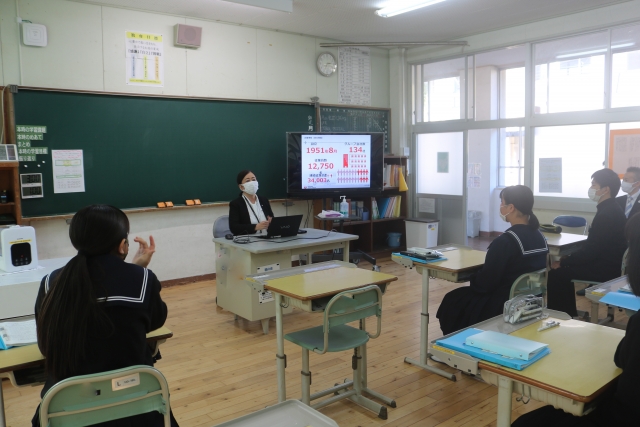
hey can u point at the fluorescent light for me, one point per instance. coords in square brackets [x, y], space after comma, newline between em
[404, 6]
[279, 5]
[589, 52]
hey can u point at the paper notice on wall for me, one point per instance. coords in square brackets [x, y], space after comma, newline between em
[625, 152]
[144, 59]
[550, 178]
[473, 182]
[68, 171]
[426, 205]
[354, 75]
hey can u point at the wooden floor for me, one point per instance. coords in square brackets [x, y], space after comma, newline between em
[219, 369]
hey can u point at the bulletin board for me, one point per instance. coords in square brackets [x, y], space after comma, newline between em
[624, 150]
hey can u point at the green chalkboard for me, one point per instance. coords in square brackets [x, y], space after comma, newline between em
[338, 118]
[141, 150]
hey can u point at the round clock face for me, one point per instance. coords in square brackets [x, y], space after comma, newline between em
[326, 64]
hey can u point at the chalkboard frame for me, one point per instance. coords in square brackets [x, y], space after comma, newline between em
[319, 108]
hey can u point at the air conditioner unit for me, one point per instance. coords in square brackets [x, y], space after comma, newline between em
[187, 35]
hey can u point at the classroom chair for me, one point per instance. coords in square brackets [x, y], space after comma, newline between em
[91, 399]
[335, 335]
[221, 226]
[534, 283]
[571, 221]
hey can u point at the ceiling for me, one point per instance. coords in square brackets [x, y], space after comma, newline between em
[355, 20]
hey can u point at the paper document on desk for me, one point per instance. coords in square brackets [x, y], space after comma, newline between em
[626, 289]
[506, 345]
[622, 299]
[17, 333]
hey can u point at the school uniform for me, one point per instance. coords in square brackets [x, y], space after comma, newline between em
[629, 204]
[517, 251]
[620, 409]
[598, 260]
[244, 215]
[130, 295]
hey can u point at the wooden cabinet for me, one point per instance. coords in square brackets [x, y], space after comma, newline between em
[372, 233]
[9, 181]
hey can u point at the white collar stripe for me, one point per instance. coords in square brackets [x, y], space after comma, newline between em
[532, 251]
[139, 299]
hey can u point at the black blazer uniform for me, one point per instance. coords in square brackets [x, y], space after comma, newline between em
[622, 201]
[240, 215]
[132, 302]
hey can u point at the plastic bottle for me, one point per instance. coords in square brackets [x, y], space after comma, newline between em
[344, 206]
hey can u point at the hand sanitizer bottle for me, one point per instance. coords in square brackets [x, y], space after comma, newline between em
[344, 206]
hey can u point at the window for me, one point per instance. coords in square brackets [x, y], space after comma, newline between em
[569, 74]
[511, 157]
[442, 99]
[512, 93]
[625, 67]
[439, 91]
[565, 157]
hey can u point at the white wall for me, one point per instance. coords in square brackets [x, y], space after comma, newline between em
[86, 52]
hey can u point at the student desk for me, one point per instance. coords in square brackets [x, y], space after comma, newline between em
[595, 294]
[18, 359]
[562, 244]
[556, 379]
[235, 261]
[460, 264]
[309, 288]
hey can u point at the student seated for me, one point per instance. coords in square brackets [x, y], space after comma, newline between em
[521, 249]
[93, 314]
[249, 213]
[630, 185]
[600, 257]
[622, 407]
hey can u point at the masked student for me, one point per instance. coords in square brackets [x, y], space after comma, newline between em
[519, 250]
[249, 213]
[621, 408]
[600, 257]
[630, 185]
[93, 314]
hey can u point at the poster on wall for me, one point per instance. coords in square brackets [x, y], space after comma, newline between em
[354, 75]
[550, 180]
[624, 150]
[443, 162]
[473, 175]
[68, 171]
[144, 59]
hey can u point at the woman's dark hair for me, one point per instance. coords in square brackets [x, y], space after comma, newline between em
[71, 304]
[521, 197]
[632, 233]
[241, 175]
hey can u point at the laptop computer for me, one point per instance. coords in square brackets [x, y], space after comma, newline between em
[283, 226]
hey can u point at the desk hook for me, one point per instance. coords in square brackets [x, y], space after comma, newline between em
[522, 397]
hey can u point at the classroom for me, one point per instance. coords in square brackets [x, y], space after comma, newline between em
[474, 119]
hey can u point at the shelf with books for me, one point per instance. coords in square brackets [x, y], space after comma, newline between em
[400, 218]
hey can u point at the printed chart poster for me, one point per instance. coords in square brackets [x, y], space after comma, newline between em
[68, 171]
[354, 75]
[551, 175]
[336, 161]
[145, 59]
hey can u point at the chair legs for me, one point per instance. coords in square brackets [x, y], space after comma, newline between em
[306, 377]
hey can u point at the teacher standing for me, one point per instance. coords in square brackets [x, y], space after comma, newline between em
[249, 213]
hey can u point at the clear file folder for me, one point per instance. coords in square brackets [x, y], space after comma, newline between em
[457, 342]
[621, 299]
[505, 345]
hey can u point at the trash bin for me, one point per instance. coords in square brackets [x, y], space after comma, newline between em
[473, 223]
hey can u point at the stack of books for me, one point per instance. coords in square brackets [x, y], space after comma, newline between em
[386, 207]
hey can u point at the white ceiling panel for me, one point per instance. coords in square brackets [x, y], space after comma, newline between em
[355, 20]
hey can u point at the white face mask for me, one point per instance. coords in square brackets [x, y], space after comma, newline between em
[627, 187]
[504, 217]
[593, 196]
[250, 187]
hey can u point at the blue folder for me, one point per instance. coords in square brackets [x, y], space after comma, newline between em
[421, 261]
[622, 299]
[457, 343]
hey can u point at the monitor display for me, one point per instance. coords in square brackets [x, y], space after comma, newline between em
[334, 164]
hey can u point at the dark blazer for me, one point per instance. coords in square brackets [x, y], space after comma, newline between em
[606, 243]
[622, 201]
[240, 217]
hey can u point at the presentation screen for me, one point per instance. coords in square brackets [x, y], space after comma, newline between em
[334, 164]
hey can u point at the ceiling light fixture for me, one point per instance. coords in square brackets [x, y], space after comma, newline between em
[279, 5]
[404, 6]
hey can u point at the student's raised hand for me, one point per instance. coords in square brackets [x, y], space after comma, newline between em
[145, 251]
[555, 265]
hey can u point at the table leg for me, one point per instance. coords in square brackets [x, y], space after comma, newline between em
[424, 331]
[345, 252]
[280, 356]
[2, 418]
[505, 390]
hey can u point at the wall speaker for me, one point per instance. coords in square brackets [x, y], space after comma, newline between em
[187, 35]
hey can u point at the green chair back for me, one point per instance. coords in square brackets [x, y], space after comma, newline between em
[533, 283]
[91, 399]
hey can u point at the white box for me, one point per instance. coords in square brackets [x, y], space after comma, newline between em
[421, 232]
[18, 250]
[34, 34]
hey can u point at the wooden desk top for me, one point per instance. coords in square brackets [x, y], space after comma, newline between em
[29, 355]
[461, 259]
[580, 365]
[317, 284]
[563, 239]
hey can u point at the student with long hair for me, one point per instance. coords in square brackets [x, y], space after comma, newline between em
[519, 250]
[93, 314]
[622, 407]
